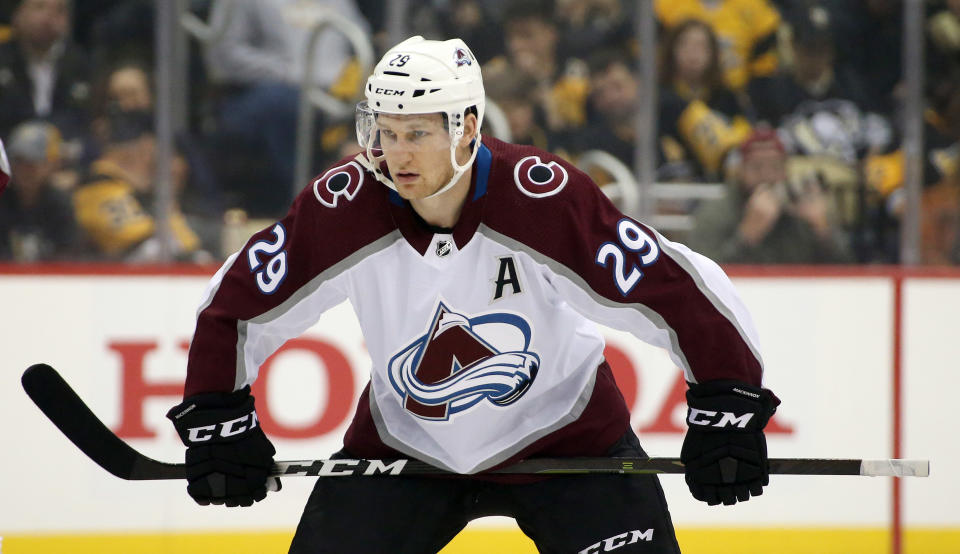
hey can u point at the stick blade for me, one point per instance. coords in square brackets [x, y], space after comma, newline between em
[51, 393]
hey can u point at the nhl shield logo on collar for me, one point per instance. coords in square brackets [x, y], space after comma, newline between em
[444, 247]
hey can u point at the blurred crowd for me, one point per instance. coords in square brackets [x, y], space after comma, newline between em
[793, 108]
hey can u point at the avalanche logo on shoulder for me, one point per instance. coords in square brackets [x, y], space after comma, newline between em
[461, 361]
[538, 179]
[344, 180]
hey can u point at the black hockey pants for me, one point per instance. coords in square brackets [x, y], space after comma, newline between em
[577, 514]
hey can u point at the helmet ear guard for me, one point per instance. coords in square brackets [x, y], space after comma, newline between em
[421, 76]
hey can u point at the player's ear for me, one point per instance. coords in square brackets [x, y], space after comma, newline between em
[469, 129]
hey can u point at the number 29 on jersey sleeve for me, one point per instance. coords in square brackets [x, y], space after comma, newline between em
[269, 274]
[633, 241]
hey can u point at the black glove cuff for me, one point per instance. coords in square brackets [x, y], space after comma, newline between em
[215, 418]
[726, 405]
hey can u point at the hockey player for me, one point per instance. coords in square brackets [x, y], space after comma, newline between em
[476, 269]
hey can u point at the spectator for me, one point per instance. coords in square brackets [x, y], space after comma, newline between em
[940, 223]
[819, 111]
[119, 30]
[869, 37]
[700, 118]
[532, 39]
[128, 87]
[36, 219]
[85, 16]
[746, 29]
[112, 205]
[42, 74]
[766, 219]
[884, 174]
[943, 50]
[593, 25]
[941, 138]
[613, 107]
[811, 77]
[5, 31]
[515, 97]
[472, 21]
[258, 66]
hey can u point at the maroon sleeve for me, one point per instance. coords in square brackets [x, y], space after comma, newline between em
[341, 211]
[582, 235]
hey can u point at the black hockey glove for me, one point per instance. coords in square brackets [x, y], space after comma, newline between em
[725, 452]
[228, 455]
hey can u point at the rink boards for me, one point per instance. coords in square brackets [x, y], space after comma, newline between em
[850, 385]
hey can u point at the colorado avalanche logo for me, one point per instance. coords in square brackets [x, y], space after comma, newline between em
[461, 57]
[537, 179]
[457, 363]
[344, 180]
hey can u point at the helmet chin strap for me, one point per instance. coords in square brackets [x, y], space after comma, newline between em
[372, 163]
[458, 170]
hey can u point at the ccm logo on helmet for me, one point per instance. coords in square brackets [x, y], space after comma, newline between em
[707, 417]
[537, 179]
[223, 430]
[344, 180]
[389, 91]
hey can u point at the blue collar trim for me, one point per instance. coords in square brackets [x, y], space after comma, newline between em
[395, 198]
[484, 160]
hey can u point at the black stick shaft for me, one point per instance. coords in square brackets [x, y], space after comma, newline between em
[550, 466]
[51, 393]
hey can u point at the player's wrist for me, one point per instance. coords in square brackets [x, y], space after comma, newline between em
[215, 418]
[729, 405]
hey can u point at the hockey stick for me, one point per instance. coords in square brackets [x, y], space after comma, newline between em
[67, 411]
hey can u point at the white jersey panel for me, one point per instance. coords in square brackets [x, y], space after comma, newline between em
[214, 284]
[638, 319]
[500, 336]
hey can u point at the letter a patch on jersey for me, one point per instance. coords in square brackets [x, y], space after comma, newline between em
[461, 361]
[507, 278]
[344, 180]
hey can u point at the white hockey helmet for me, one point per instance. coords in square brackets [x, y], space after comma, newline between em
[421, 76]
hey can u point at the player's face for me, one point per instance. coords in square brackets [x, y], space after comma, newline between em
[417, 151]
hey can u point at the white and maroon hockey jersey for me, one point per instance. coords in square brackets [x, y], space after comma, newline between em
[482, 337]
